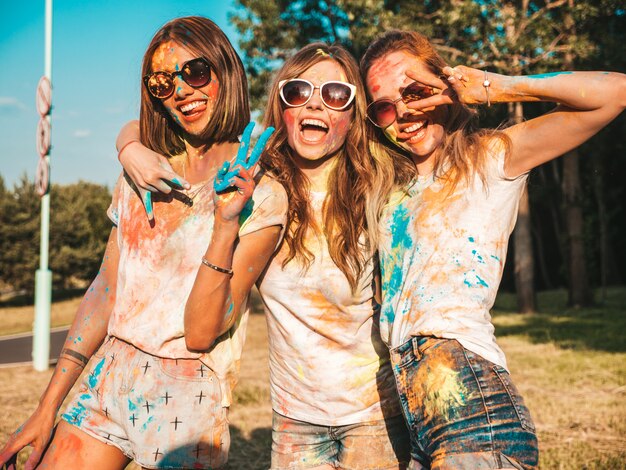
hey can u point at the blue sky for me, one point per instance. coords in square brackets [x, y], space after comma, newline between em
[97, 47]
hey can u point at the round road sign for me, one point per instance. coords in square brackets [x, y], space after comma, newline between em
[42, 177]
[44, 96]
[43, 137]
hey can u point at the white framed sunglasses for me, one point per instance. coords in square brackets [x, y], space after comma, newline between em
[335, 95]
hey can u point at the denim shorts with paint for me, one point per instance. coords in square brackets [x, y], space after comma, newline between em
[463, 412]
[162, 413]
[379, 445]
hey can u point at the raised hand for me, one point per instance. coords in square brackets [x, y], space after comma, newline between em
[234, 183]
[457, 84]
[224, 178]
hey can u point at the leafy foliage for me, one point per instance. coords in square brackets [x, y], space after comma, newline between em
[79, 230]
[512, 37]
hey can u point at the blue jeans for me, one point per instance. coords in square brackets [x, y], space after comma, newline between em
[463, 412]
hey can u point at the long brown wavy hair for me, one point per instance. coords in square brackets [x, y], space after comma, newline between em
[464, 147]
[353, 183]
[201, 37]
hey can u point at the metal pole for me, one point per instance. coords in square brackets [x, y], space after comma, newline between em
[43, 276]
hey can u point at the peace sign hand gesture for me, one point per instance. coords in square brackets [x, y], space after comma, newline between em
[458, 84]
[234, 183]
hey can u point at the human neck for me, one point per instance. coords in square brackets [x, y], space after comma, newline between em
[317, 173]
[201, 162]
[425, 164]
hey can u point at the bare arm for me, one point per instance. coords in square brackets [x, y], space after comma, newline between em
[150, 171]
[87, 332]
[587, 101]
[216, 298]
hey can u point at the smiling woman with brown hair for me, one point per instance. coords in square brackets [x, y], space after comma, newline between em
[161, 328]
[444, 238]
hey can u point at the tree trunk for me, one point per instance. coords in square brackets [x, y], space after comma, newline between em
[579, 294]
[603, 226]
[524, 263]
[522, 238]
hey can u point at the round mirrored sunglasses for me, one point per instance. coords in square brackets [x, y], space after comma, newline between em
[195, 72]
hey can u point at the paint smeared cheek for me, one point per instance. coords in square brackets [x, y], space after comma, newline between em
[340, 125]
[211, 90]
[392, 135]
[172, 111]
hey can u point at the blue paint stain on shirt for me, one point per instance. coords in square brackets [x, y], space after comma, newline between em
[391, 262]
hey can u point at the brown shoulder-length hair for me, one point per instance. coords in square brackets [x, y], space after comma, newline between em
[352, 181]
[464, 147]
[203, 38]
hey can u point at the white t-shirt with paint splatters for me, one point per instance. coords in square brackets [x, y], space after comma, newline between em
[158, 265]
[328, 365]
[442, 257]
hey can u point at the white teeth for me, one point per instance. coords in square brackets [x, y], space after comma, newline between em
[188, 107]
[314, 122]
[414, 127]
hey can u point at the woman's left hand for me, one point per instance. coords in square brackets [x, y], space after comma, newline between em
[234, 184]
[458, 84]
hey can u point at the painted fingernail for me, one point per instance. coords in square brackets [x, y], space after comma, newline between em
[147, 201]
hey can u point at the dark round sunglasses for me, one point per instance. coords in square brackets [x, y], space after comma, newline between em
[334, 94]
[383, 113]
[195, 72]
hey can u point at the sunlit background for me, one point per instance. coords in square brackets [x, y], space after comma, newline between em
[97, 48]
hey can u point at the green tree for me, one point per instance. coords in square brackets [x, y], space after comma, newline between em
[79, 229]
[19, 242]
[511, 37]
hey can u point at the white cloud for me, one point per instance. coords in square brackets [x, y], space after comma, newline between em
[82, 133]
[10, 102]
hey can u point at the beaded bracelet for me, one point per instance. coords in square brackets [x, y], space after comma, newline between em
[216, 268]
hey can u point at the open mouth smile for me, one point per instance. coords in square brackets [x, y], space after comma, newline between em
[313, 130]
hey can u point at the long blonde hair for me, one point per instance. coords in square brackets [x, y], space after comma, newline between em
[465, 147]
[353, 182]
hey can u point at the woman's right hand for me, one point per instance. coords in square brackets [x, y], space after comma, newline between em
[36, 432]
[150, 171]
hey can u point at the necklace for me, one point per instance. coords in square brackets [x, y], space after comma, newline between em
[188, 197]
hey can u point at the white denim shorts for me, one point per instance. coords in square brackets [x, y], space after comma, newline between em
[162, 413]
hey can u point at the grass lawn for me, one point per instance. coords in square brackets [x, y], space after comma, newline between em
[569, 364]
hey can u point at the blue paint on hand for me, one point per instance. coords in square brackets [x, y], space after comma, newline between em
[548, 75]
[224, 178]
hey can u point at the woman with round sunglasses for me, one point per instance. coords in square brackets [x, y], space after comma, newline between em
[444, 239]
[164, 320]
[332, 388]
